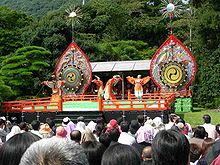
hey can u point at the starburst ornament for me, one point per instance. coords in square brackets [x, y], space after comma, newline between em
[74, 14]
[175, 7]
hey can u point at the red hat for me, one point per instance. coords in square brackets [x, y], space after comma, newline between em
[61, 132]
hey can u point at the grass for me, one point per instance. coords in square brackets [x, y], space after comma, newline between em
[195, 117]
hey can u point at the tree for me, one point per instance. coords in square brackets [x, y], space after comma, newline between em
[24, 70]
[11, 25]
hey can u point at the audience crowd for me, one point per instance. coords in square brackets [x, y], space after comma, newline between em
[143, 141]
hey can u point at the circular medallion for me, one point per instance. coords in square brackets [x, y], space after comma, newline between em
[72, 77]
[173, 74]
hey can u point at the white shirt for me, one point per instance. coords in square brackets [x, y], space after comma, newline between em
[210, 129]
[126, 138]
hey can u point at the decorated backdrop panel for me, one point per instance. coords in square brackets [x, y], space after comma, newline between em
[74, 68]
[173, 67]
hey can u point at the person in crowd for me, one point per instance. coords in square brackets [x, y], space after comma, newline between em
[94, 151]
[75, 135]
[46, 131]
[217, 128]
[195, 152]
[68, 125]
[113, 124]
[88, 136]
[52, 124]
[81, 126]
[105, 139]
[125, 137]
[216, 161]
[54, 151]
[147, 156]
[158, 125]
[140, 119]
[206, 146]
[13, 149]
[61, 132]
[35, 124]
[80, 118]
[134, 126]
[14, 130]
[209, 128]
[214, 152]
[114, 134]
[172, 119]
[3, 133]
[23, 126]
[120, 154]
[170, 147]
[198, 136]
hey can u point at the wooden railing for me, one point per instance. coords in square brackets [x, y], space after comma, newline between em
[81, 98]
[33, 105]
[149, 102]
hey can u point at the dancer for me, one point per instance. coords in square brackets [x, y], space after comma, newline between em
[138, 83]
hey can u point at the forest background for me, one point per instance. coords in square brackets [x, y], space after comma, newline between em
[33, 35]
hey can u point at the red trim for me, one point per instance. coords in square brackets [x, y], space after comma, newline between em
[76, 46]
[157, 52]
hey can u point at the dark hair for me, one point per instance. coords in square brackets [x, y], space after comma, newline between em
[99, 128]
[207, 118]
[13, 149]
[170, 147]
[200, 132]
[140, 119]
[217, 128]
[94, 151]
[180, 120]
[195, 152]
[134, 126]
[105, 139]
[114, 134]
[35, 125]
[206, 145]
[75, 135]
[23, 126]
[124, 126]
[120, 154]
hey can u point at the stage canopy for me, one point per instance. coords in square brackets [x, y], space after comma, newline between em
[112, 66]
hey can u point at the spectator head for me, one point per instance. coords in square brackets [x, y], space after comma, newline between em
[114, 134]
[75, 135]
[61, 132]
[206, 118]
[54, 152]
[105, 139]
[200, 133]
[88, 136]
[195, 152]
[140, 119]
[111, 125]
[217, 128]
[2, 123]
[134, 126]
[13, 149]
[100, 120]
[147, 153]
[94, 151]
[66, 120]
[80, 118]
[46, 131]
[23, 126]
[35, 125]
[119, 154]
[124, 126]
[173, 118]
[170, 147]
[50, 122]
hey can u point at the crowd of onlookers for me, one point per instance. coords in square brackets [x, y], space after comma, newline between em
[143, 141]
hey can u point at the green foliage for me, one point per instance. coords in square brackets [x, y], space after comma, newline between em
[24, 70]
[11, 24]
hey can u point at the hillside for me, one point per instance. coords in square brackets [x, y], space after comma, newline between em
[38, 8]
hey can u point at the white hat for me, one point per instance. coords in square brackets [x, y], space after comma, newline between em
[3, 118]
[65, 121]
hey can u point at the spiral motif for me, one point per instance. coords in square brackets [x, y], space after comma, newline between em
[173, 74]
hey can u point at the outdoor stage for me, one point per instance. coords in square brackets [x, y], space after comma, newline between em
[90, 106]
